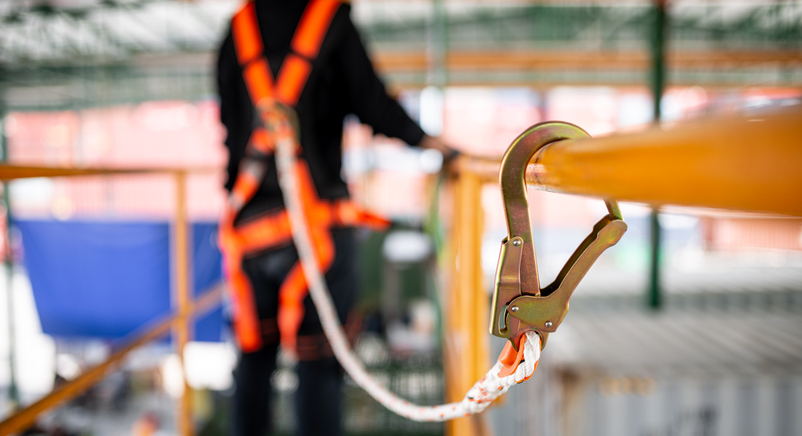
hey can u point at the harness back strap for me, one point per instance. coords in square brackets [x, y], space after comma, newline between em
[273, 230]
[296, 67]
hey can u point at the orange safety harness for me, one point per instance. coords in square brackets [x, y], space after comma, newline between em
[274, 100]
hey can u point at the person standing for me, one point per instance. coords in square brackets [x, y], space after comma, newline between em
[304, 59]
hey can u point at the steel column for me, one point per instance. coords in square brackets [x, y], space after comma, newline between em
[13, 391]
[654, 294]
[438, 45]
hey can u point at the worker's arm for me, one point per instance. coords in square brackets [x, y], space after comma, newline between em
[373, 105]
[236, 115]
[368, 97]
[436, 143]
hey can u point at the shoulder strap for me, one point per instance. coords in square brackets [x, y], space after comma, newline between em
[296, 67]
[313, 26]
[250, 54]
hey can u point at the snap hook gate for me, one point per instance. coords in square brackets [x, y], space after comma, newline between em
[519, 303]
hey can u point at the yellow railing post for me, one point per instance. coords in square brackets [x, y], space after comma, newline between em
[182, 299]
[467, 306]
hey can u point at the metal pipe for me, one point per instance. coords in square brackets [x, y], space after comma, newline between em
[13, 390]
[11, 172]
[437, 46]
[467, 303]
[748, 162]
[182, 299]
[653, 294]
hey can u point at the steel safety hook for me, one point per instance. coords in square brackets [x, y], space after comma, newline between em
[519, 303]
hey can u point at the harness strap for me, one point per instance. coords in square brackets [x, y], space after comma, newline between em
[313, 27]
[273, 230]
[296, 67]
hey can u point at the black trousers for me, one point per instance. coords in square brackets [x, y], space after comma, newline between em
[318, 399]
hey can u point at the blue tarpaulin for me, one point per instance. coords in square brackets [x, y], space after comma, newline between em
[105, 279]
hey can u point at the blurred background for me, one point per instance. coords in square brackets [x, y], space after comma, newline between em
[712, 346]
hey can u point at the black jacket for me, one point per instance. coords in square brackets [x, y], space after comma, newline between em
[342, 82]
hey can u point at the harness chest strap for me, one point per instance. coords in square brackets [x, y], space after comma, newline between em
[273, 230]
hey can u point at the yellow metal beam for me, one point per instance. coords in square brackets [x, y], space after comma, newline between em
[749, 163]
[182, 300]
[467, 347]
[11, 172]
[528, 60]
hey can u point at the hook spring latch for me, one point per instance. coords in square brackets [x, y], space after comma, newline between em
[519, 303]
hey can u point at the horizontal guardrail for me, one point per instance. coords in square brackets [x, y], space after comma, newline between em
[178, 320]
[746, 163]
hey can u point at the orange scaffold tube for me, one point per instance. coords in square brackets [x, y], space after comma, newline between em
[748, 162]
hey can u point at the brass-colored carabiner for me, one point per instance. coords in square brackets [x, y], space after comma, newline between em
[519, 303]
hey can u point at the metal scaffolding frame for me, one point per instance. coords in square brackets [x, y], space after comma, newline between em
[57, 58]
[117, 52]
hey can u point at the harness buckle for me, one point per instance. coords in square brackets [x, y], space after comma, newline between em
[278, 118]
[519, 303]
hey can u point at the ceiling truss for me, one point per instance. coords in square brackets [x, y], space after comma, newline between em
[79, 53]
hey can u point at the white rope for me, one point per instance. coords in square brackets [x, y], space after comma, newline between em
[483, 392]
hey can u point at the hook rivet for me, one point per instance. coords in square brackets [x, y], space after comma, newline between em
[516, 242]
[548, 324]
[514, 308]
